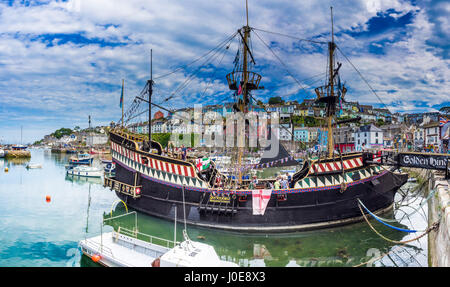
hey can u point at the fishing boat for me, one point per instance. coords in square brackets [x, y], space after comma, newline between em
[19, 147]
[84, 171]
[85, 159]
[322, 193]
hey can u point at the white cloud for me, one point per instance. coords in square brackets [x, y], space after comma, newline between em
[68, 81]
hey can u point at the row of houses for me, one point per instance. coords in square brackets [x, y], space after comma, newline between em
[380, 128]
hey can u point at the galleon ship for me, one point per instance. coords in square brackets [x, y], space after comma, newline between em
[323, 193]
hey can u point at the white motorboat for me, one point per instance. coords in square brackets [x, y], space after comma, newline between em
[34, 166]
[131, 248]
[115, 249]
[86, 171]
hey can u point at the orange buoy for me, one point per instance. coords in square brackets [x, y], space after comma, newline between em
[48, 198]
[6, 169]
[96, 258]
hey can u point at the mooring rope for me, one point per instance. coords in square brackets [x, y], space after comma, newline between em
[381, 220]
[433, 227]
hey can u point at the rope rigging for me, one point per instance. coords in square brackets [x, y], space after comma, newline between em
[282, 63]
[364, 79]
[289, 36]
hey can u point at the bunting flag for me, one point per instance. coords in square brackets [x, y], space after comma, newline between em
[260, 199]
[240, 89]
[121, 97]
[267, 164]
[443, 121]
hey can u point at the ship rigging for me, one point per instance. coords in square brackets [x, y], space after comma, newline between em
[321, 193]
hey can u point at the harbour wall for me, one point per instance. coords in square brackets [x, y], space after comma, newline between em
[439, 206]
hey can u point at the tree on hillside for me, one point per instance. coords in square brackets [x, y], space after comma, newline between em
[62, 132]
[275, 101]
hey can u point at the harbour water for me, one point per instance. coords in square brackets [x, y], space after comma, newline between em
[40, 233]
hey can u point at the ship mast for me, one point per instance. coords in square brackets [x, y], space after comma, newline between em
[243, 81]
[244, 104]
[331, 108]
[326, 93]
[150, 93]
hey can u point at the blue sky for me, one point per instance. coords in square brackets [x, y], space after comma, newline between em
[61, 61]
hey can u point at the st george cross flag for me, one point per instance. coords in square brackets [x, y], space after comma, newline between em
[260, 200]
[202, 163]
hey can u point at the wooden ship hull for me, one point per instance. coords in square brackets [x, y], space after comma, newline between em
[324, 196]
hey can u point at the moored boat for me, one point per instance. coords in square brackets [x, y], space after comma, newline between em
[110, 168]
[131, 248]
[34, 166]
[84, 171]
[85, 159]
[322, 193]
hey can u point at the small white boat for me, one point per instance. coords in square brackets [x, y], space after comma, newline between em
[412, 179]
[2, 153]
[131, 248]
[34, 166]
[115, 249]
[86, 171]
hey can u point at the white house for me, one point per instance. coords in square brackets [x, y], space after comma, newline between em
[368, 136]
[431, 132]
[285, 132]
[96, 139]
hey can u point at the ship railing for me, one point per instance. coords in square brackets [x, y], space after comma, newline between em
[131, 136]
[103, 250]
[131, 190]
[100, 248]
[147, 238]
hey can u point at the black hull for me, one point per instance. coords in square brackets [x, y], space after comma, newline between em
[301, 211]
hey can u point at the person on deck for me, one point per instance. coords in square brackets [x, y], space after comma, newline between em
[277, 183]
[183, 152]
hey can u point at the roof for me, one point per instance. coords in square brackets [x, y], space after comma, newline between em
[370, 128]
[431, 125]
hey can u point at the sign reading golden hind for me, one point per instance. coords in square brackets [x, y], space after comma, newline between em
[429, 161]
